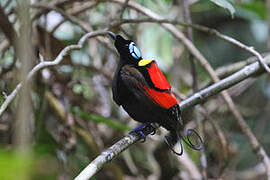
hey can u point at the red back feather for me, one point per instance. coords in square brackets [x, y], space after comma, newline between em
[164, 99]
[157, 77]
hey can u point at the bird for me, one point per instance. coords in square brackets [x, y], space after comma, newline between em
[140, 87]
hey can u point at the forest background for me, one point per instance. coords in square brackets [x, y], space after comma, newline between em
[57, 112]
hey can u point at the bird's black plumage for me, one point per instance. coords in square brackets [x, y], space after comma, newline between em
[128, 81]
[143, 91]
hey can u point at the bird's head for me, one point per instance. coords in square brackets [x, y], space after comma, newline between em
[127, 49]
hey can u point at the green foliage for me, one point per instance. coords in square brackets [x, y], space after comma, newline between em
[99, 119]
[26, 165]
[226, 5]
[15, 166]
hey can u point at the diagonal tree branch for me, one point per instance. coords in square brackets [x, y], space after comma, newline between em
[257, 148]
[205, 29]
[112, 152]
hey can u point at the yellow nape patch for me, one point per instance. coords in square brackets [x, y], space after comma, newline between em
[144, 62]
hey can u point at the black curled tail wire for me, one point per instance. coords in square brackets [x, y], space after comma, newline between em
[186, 140]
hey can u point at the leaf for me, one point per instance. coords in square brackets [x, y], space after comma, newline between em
[226, 5]
[99, 119]
[256, 7]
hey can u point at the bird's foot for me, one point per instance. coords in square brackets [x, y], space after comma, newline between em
[140, 128]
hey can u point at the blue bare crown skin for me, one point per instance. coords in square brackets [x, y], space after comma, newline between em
[134, 51]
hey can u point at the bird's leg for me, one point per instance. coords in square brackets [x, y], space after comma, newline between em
[139, 129]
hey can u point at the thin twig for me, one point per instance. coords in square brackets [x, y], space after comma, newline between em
[75, 11]
[227, 70]
[44, 64]
[224, 144]
[121, 13]
[6, 4]
[242, 46]
[85, 26]
[56, 3]
[187, 18]
[223, 84]
[197, 98]
[203, 29]
[190, 166]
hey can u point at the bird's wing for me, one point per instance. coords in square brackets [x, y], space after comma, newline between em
[138, 85]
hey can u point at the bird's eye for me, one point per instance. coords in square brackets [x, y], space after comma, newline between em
[134, 50]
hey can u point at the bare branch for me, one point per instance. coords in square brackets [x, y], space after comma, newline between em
[106, 156]
[44, 64]
[223, 84]
[203, 61]
[197, 98]
[203, 29]
[232, 68]
[85, 27]
[189, 34]
[55, 3]
[112, 152]
[188, 164]
[121, 13]
[77, 10]
[7, 4]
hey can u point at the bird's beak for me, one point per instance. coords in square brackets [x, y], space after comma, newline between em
[113, 36]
